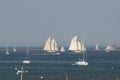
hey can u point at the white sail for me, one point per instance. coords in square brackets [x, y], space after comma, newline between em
[47, 46]
[97, 48]
[62, 49]
[79, 45]
[14, 49]
[76, 45]
[50, 45]
[82, 46]
[54, 45]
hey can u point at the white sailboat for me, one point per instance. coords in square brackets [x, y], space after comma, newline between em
[77, 45]
[110, 48]
[62, 49]
[14, 49]
[7, 52]
[27, 61]
[97, 48]
[51, 46]
[81, 62]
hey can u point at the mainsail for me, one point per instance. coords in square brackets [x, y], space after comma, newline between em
[97, 48]
[62, 49]
[76, 45]
[14, 49]
[50, 45]
[54, 45]
[47, 46]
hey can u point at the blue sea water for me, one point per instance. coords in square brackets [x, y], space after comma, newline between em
[102, 65]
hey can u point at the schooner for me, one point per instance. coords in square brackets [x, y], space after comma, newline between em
[50, 45]
[77, 45]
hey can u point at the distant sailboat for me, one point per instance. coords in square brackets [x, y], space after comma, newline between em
[81, 62]
[77, 45]
[62, 49]
[50, 45]
[110, 48]
[27, 61]
[7, 52]
[97, 48]
[14, 49]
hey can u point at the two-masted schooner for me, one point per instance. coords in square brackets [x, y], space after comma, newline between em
[51, 46]
[77, 45]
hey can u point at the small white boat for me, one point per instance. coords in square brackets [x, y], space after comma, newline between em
[81, 62]
[27, 60]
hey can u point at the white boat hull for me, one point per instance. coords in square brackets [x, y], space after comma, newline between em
[26, 62]
[81, 63]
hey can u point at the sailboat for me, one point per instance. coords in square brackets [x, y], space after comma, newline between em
[82, 62]
[97, 48]
[27, 61]
[51, 46]
[77, 45]
[7, 52]
[62, 49]
[110, 48]
[14, 49]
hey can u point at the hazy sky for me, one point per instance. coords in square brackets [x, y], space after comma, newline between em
[33, 21]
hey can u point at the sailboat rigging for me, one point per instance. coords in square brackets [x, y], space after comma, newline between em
[27, 61]
[82, 61]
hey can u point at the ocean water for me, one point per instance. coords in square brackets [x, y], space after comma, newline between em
[102, 65]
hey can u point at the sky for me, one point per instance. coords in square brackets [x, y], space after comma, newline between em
[33, 21]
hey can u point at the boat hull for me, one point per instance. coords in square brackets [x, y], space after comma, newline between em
[83, 63]
[26, 62]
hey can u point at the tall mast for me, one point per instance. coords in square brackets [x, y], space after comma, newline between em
[27, 56]
[82, 51]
